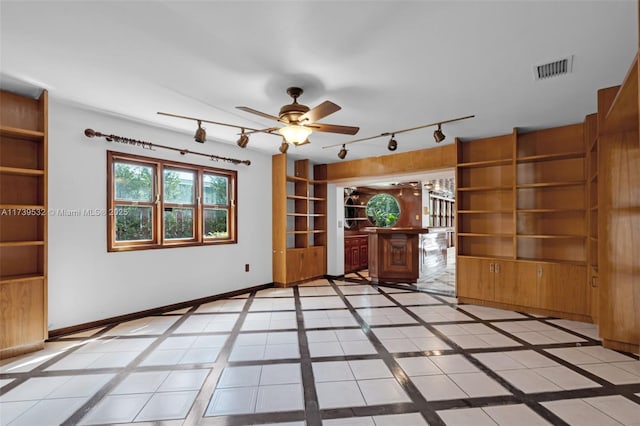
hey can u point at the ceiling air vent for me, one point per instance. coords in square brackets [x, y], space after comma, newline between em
[553, 69]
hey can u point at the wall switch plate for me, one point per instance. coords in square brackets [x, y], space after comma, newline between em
[246, 267]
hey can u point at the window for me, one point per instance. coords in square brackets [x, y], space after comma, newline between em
[383, 210]
[156, 203]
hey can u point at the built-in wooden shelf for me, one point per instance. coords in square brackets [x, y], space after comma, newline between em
[550, 211]
[549, 184]
[16, 278]
[550, 157]
[21, 133]
[552, 260]
[487, 163]
[550, 237]
[485, 188]
[21, 243]
[484, 235]
[21, 171]
[485, 211]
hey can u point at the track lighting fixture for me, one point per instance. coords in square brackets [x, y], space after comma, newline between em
[284, 146]
[342, 153]
[243, 140]
[393, 144]
[201, 134]
[438, 135]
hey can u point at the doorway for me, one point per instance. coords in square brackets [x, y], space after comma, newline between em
[425, 200]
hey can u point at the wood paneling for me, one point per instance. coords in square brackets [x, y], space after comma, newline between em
[22, 316]
[426, 159]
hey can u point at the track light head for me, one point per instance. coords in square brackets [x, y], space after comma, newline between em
[343, 153]
[243, 140]
[438, 135]
[393, 144]
[284, 146]
[201, 134]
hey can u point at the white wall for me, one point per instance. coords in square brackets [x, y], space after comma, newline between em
[86, 283]
[335, 230]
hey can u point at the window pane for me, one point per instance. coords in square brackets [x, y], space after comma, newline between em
[178, 223]
[215, 189]
[178, 186]
[133, 223]
[133, 182]
[383, 210]
[216, 224]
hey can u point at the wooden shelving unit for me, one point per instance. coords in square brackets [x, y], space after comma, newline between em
[299, 221]
[591, 142]
[23, 223]
[522, 221]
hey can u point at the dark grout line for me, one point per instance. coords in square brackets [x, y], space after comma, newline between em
[401, 377]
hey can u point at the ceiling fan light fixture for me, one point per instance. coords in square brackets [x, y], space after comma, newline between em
[295, 133]
[243, 140]
[393, 144]
[438, 135]
[201, 134]
[284, 146]
[342, 153]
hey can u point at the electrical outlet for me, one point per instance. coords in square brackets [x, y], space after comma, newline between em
[246, 267]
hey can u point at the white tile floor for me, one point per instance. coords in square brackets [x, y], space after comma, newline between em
[354, 354]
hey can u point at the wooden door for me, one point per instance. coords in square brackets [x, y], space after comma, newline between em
[516, 283]
[475, 278]
[563, 287]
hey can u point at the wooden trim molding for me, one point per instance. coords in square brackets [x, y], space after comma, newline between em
[153, 311]
[440, 157]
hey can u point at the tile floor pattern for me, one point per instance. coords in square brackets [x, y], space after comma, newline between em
[332, 352]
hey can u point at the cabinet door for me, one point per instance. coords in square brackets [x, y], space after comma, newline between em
[295, 263]
[563, 287]
[518, 283]
[475, 278]
[364, 254]
[314, 264]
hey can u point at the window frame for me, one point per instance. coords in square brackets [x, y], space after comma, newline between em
[158, 204]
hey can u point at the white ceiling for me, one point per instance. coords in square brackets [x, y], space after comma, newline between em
[390, 64]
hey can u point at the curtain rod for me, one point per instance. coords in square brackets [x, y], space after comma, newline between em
[90, 133]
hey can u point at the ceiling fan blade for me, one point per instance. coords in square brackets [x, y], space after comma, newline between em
[256, 112]
[334, 128]
[319, 112]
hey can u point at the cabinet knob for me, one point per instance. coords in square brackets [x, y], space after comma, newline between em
[491, 267]
[539, 271]
[497, 268]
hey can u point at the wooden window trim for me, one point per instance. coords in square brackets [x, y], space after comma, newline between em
[158, 241]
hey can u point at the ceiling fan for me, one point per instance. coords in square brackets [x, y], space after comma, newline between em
[300, 121]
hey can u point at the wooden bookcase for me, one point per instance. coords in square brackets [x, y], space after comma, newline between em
[23, 223]
[522, 221]
[299, 221]
[486, 197]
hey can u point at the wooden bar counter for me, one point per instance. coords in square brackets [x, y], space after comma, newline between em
[394, 254]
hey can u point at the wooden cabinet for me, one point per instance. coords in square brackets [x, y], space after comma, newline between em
[356, 253]
[299, 221]
[23, 223]
[485, 279]
[523, 221]
[563, 288]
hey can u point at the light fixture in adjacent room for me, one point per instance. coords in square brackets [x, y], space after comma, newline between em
[295, 134]
[201, 134]
[393, 143]
[243, 140]
[284, 146]
[343, 153]
[438, 135]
